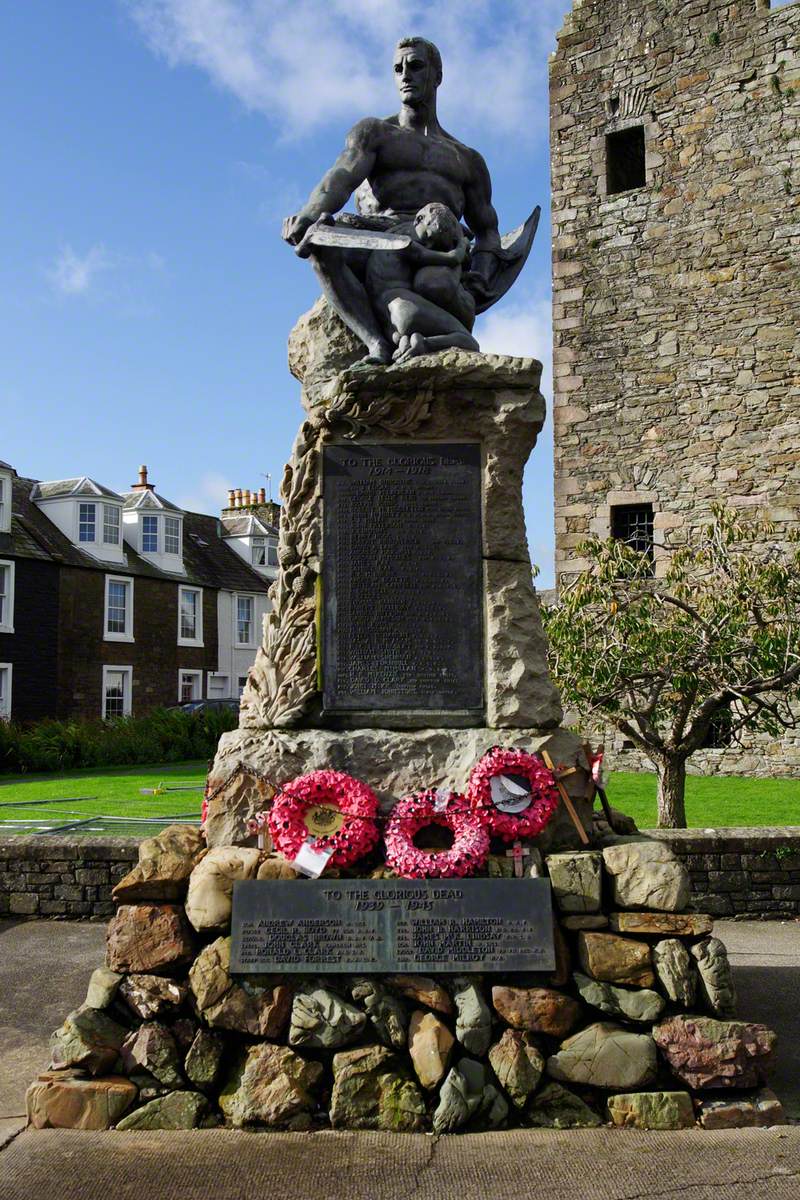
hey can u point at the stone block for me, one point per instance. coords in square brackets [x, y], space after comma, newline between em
[165, 863]
[556, 1107]
[269, 1085]
[647, 875]
[641, 1005]
[536, 1010]
[661, 924]
[737, 1112]
[467, 1098]
[148, 938]
[652, 1110]
[518, 1064]
[23, 904]
[675, 971]
[576, 879]
[175, 1110]
[258, 1009]
[73, 1103]
[210, 896]
[606, 1056]
[371, 1091]
[615, 959]
[324, 1020]
[88, 1039]
[716, 978]
[705, 1053]
[430, 1044]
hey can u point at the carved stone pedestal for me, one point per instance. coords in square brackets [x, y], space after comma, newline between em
[418, 577]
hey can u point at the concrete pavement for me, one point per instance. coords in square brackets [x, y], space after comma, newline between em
[44, 969]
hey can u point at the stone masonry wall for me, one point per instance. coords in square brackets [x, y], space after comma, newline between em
[740, 873]
[744, 873]
[62, 877]
[676, 339]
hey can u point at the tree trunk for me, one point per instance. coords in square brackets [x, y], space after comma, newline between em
[671, 792]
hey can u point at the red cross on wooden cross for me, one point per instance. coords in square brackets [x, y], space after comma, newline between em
[518, 852]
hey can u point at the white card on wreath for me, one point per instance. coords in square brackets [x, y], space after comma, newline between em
[312, 862]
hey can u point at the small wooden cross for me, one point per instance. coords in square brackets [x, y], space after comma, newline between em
[558, 774]
[519, 853]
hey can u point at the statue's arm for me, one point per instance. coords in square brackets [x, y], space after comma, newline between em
[481, 217]
[338, 184]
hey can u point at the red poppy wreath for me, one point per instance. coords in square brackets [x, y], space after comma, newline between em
[468, 852]
[357, 803]
[528, 786]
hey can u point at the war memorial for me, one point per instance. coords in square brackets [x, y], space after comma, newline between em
[404, 912]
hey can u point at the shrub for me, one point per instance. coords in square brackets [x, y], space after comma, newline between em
[164, 735]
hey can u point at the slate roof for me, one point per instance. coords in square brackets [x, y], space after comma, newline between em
[53, 489]
[246, 525]
[207, 560]
[148, 499]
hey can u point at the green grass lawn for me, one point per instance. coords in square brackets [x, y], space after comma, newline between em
[712, 801]
[74, 795]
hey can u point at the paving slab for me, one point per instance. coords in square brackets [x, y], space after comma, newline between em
[44, 971]
[748, 1164]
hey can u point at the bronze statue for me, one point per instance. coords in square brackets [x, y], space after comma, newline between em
[403, 273]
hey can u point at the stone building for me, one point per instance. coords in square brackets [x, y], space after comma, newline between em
[675, 131]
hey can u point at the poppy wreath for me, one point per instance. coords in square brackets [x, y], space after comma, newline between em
[354, 799]
[470, 847]
[544, 793]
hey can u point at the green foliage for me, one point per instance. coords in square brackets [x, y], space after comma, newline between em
[713, 39]
[659, 659]
[164, 735]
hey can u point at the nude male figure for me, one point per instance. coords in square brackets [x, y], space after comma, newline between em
[398, 165]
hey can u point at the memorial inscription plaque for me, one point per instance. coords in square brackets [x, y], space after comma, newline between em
[402, 577]
[362, 926]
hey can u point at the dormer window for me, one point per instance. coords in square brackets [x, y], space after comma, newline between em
[265, 552]
[88, 513]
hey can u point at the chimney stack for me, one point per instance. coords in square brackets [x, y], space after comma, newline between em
[142, 485]
[262, 496]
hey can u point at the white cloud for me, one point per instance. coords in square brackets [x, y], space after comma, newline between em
[209, 495]
[520, 327]
[73, 274]
[309, 63]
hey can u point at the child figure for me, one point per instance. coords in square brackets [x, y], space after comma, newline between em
[418, 291]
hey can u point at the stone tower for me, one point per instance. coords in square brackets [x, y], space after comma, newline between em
[675, 145]
[675, 130]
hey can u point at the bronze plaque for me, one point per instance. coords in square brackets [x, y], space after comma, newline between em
[344, 926]
[402, 578]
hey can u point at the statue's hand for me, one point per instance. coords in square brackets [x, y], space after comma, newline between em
[294, 228]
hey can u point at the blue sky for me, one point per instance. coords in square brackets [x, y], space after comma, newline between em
[151, 148]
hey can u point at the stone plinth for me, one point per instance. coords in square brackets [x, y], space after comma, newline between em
[452, 398]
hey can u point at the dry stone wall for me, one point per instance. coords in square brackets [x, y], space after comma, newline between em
[635, 1026]
[676, 339]
[739, 873]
